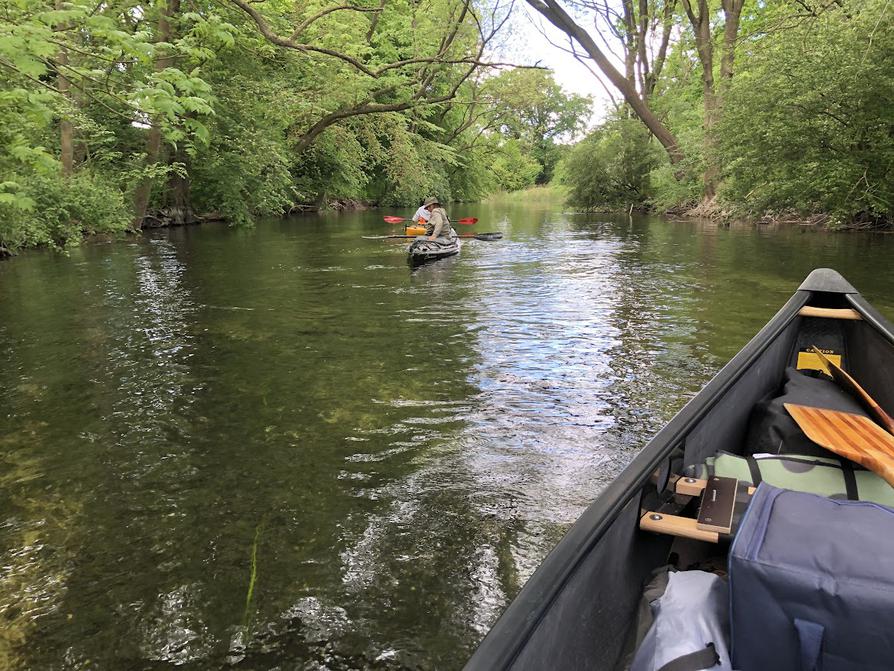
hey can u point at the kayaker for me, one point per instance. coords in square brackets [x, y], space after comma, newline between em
[438, 223]
[422, 214]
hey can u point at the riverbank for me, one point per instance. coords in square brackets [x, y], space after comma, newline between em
[545, 195]
[717, 211]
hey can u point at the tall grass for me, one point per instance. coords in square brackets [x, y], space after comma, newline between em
[548, 193]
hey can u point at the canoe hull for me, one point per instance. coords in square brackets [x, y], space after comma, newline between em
[579, 608]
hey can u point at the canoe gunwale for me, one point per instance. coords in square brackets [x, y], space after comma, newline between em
[872, 316]
[510, 634]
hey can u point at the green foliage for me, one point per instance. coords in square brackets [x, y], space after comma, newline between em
[245, 169]
[808, 122]
[611, 167]
[530, 106]
[47, 210]
[803, 126]
[191, 106]
[513, 167]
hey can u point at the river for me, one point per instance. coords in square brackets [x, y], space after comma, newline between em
[283, 448]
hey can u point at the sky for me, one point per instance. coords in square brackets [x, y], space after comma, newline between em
[528, 45]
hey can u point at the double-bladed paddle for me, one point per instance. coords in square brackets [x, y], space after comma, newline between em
[467, 221]
[473, 236]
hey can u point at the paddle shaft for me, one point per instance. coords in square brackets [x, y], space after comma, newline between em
[465, 221]
[475, 236]
[848, 383]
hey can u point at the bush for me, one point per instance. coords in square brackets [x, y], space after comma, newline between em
[610, 168]
[49, 210]
[513, 168]
[808, 125]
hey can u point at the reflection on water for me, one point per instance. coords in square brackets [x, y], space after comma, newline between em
[283, 448]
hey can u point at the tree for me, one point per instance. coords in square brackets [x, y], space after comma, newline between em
[700, 20]
[556, 15]
[808, 125]
[388, 69]
[530, 106]
[610, 168]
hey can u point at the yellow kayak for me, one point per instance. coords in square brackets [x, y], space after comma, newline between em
[414, 230]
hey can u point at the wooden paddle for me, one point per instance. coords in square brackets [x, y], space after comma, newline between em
[854, 437]
[851, 385]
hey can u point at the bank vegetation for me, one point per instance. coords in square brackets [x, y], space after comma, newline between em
[738, 108]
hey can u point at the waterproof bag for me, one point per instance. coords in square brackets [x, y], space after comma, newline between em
[828, 476]
[690, 625]
[812, 584]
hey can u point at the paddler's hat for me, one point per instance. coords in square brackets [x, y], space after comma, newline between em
[430, 201]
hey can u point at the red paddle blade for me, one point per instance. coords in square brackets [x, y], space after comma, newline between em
[468, 221]
[394, 220]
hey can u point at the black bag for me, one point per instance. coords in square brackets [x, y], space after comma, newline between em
[772, 429]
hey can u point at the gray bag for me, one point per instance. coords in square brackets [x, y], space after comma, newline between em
[690, 625]
[812, 584]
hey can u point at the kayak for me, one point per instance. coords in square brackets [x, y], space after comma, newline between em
[414, 230]
[581, 608]
[422, 249]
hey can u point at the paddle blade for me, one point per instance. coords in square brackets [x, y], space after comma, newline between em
[849, 384]
[854, 437]
[482, 236]
[394, 220]
[468, 221]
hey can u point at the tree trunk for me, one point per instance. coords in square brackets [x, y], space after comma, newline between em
[66, 129]
[177, 205]
[732, 10]
[704, 44]
[560, 18]
[153, 137]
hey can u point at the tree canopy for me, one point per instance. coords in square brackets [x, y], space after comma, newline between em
[120, 114]
[774, 108]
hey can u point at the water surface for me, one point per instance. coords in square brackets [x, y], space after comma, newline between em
[282, 448]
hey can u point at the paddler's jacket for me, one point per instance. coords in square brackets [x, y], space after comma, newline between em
[439, 224]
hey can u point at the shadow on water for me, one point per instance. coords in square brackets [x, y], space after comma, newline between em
[284, 447]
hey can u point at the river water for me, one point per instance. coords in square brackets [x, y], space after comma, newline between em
[283, 449]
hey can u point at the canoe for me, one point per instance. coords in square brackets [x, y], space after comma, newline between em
[579, 609]
[422, 250]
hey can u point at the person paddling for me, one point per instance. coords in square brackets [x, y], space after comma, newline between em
[439, 223]
[422, 215]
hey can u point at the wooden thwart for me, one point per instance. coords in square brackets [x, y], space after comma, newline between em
[674, 525]
[694, 487]
[854, 437]
[829, 313]
[715, 513]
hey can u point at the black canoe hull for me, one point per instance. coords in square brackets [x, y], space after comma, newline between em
[578, 609]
